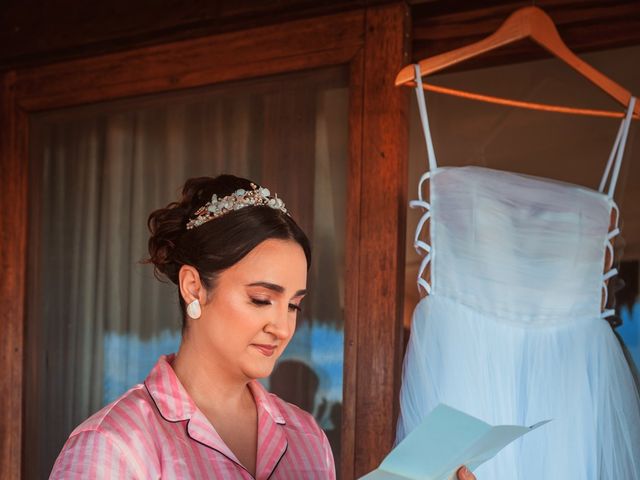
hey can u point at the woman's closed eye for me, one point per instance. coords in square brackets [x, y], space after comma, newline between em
[262, 303]
[295, 308]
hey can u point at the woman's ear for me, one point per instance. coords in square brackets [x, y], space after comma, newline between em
[190, 285]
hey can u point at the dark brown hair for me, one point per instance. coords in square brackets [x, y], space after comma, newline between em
[218, 244]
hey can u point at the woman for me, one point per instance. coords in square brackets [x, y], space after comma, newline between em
[240, 263]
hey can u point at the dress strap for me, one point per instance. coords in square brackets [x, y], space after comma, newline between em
[421, 246]
[422, 106]
[617, 152]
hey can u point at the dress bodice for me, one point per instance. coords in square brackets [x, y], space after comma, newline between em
[526, 249]
[520, 247]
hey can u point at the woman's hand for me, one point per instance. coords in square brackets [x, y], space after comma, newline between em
[465, 474]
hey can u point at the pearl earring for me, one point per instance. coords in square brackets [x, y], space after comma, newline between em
[193, 309]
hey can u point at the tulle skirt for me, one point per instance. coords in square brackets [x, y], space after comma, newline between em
[503, 372]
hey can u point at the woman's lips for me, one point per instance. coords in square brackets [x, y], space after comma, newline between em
[266, 350]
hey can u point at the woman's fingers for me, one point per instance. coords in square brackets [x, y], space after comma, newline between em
[465, 474]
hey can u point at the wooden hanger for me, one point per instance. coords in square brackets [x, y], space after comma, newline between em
[526, 22]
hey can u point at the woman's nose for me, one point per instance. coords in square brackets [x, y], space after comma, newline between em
[279, 325]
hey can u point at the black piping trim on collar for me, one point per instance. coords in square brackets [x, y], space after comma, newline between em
[158, 407]
[216, 450]
[188, 420]
[275, 467]
[186, 428]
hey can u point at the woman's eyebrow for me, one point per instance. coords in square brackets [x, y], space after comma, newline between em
[275, 288]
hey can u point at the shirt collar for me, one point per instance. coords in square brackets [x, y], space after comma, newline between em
[170, 397]
[266, 401]
[272, 439]
[175, 404]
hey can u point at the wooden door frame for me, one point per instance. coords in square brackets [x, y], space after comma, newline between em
[373, 43]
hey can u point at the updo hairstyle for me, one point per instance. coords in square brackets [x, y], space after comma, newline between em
[218, 244]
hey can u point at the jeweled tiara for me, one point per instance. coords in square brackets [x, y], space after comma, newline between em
[217, 207]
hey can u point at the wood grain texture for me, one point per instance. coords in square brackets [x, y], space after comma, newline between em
[583, 25]
[66, 29]
[297, 45]
[62, 30]
[352, 266]
[382, 230]
[13, 238]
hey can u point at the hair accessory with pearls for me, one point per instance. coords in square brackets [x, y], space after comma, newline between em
[217, 207]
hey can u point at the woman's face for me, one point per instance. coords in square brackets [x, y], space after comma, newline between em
[250, 315]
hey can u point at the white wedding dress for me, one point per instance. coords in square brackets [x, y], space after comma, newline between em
[511, 330]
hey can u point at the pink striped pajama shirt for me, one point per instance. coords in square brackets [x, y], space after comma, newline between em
[156, 431]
